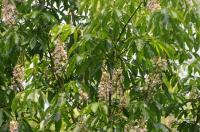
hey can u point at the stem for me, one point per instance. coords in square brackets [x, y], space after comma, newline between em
[52, 65]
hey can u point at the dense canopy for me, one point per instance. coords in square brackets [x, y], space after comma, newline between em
[100, 65]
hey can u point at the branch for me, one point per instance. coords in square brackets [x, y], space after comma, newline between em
[123, 29]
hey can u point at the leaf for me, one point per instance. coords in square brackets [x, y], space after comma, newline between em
[94, 107]
[27, 126]
[58, 126]
[1, 117]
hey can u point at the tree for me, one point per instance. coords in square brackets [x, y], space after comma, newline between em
[99, 65]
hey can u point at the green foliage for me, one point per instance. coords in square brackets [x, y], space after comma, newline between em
[157, 52]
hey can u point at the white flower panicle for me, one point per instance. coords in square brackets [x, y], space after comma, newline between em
[18, 77]
[105, 86]
[153, 5]
[59, 57]
[14, 126]
[110, 85]
[9, 12]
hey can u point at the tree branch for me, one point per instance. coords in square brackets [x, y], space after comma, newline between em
[123, 29]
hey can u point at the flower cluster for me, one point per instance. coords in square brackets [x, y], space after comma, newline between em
[8, 12]
[168, 121]
[105, 86]
[18, 78]
[14, 126]
[117, 78]
[110, 84]
[160, 63]
[83, 95]
[153, 5]
[152, 80]
[123, 102]
[59, 57]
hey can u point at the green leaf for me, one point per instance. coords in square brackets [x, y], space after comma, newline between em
[1, 117]
[94, 107]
